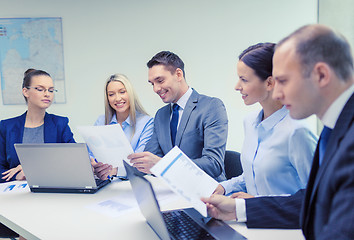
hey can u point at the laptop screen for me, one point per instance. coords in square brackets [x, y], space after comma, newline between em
[146, 199]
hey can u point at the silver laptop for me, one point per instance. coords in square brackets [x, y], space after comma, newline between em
[176, 224]
[58, 168]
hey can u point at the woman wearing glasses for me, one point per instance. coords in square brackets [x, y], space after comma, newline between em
[123, 107]
[34, 126]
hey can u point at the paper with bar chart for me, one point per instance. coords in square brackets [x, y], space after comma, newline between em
[185, 178]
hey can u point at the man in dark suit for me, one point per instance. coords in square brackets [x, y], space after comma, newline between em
[196, 123]
[313, 69]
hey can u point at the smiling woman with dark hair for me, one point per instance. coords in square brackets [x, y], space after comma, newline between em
[34, 126]
[277, 151]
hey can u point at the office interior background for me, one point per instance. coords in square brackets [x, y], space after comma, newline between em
[101, 38]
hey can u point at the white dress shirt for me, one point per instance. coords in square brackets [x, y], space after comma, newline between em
[330, 117]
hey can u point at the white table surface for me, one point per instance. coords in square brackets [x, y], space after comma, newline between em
[67, 216]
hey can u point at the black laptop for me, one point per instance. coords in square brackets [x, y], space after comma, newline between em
[176, 224]
[58, 168]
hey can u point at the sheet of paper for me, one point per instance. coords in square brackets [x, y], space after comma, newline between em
[14, 187]
[108, 143]
[185, 178]
[125, 203]
[115, 207]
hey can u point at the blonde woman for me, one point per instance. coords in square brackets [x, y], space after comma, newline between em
[123, 107]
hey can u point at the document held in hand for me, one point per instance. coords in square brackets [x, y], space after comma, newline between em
[185, 178]
[108, 143]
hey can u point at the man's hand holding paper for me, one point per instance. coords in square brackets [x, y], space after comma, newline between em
[143, 161]
[185, 178]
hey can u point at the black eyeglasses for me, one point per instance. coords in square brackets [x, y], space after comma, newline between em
[41, 89]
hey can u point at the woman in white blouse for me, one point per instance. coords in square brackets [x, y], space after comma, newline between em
[277, 152]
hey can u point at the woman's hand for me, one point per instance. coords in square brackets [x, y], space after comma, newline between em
[103, 171]
[219, 190]
[7, 175]
[241, 195]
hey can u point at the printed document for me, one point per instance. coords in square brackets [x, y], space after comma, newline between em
[108, 143]
[185, 178]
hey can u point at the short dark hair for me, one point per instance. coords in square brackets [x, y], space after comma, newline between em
[27, 80]
[317, 43]
[259, 57]
[169, 59]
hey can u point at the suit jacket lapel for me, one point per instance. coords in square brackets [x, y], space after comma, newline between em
[305, 206]
[50, 133]
[342, 125]
[191, 104]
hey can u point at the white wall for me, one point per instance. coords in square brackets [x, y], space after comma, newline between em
[115, 36]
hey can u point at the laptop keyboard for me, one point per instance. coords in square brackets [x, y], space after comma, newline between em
[182, 226]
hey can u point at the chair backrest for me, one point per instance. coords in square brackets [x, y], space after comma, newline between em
[233, 167]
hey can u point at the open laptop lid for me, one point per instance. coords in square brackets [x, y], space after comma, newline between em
[150, 208]
[146, 199]
[57, 167]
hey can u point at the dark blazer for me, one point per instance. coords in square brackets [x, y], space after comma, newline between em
[56, 130]
[328, 210]
[328, 202]
[201, 134]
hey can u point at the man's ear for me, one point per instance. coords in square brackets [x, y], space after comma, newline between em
[179, 73]
[321, 74]
[269, 83]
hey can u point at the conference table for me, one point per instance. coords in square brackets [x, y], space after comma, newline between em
[111, 213]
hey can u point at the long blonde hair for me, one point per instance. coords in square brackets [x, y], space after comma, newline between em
[135, 105]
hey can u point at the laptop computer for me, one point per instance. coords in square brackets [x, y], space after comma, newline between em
[58, 168]
[176, 224]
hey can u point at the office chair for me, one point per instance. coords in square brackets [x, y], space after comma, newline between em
[232, 163]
